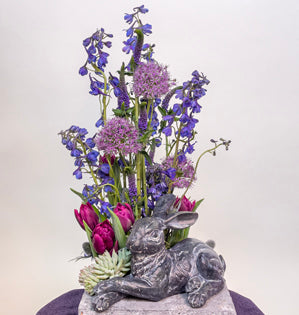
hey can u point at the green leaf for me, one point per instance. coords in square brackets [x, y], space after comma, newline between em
[96, 210]
[89, 233]
[147, 157]
[118, 112]
[162, 111]
[79, 194]
[118, 230]
[197, 204]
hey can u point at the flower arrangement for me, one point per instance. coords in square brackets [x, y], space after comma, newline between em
[150, 112]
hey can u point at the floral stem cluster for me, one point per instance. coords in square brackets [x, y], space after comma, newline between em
[119, 159]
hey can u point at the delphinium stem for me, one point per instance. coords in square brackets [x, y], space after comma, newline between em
[90, 168]
[196, 165]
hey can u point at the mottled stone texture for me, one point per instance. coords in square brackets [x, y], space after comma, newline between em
[190, 266]
[220, 304]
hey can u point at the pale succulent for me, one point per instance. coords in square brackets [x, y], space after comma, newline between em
[105, 267]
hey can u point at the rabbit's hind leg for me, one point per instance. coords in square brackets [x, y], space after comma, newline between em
[208, 288]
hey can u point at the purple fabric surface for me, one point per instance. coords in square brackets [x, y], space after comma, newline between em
[67, 304]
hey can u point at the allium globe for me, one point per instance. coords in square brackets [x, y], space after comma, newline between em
[151, 80]
[118, 136]
[185, 170]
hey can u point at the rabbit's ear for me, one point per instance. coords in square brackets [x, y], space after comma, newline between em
[180, 220]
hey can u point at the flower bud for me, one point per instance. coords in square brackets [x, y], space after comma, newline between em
[125, 215]
[186, 204]
[103, 237]
[88, 215]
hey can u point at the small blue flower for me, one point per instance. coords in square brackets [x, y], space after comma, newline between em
[167, 131]
[100, 122]
[76, 152]
[78, 173]
[82, 131]
[92, 156]
[177, 109]
[70, 145]
[129, 18]
[86, 41]
[89, 142]
[142, 9]
[171, 173]
[146, 29]
[104, 208]
[83, 71]
[182, 157]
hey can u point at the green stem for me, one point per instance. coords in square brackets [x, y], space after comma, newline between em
[90, 168]
[104, 96]
[191, 180]
[144, 186]
[138, 181]
[136, 112]
[177, 146]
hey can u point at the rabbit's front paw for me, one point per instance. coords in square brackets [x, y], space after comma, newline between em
[102, 302]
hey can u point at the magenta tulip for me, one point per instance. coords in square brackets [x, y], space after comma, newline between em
[88, 215]
[125, 215]
[103, 237]
[186, 204]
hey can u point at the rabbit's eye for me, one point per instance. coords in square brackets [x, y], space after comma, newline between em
[155, 234]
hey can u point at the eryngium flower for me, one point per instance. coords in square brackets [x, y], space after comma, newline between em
[118, 136]
[151, 80]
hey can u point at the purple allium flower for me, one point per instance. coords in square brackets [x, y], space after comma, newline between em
[118, 136]
[151, 80]
[184, 168]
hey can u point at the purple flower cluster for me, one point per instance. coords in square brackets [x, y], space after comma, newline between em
[151, 80]
[94, 48]
[74, 140]
[180, 176]
[188, 94]
[118, 136]
[97, 58]
[156, 183]
[132, 43]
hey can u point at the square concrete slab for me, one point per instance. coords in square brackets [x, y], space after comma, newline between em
[220, 304]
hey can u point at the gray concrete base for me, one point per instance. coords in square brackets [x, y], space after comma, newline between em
[220, 304]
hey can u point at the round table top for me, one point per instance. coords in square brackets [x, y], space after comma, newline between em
[67, 304]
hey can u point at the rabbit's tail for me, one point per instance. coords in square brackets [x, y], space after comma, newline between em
[211, 243]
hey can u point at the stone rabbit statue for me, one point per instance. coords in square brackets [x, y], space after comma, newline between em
[189, 266]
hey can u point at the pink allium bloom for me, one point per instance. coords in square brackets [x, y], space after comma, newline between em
[118, 136]
[151, 80]
[125, 215]
[186, 204]
[186, 170]
[88, 215]
[103, 237]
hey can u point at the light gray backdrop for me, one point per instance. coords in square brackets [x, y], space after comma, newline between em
[249, 51]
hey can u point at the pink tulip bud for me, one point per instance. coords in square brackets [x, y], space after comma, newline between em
[125, 215]
[103, 237]
[88, 215]
[186, 204]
